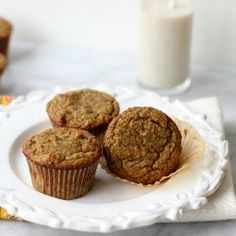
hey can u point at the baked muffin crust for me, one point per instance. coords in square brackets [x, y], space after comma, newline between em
[62, 148]
[5, 33]
[3, 63]
[142, 145]
[85, 109]
[5, 28]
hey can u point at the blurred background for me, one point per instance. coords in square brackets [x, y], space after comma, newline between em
[113, 25]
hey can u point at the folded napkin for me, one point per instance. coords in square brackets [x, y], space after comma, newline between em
[222, 204]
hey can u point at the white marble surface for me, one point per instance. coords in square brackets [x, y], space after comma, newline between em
[45, 67]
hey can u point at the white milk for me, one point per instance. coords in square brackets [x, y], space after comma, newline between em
[165, 43]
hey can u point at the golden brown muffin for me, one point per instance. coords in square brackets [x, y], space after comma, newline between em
[84, 109]
[3, 63]
[5, 33]
[62, 161]
[142, 145]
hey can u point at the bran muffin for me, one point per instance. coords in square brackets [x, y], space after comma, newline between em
[86, 109]
[62, 161]
[5, 33]
[3, 63]
[142, 145]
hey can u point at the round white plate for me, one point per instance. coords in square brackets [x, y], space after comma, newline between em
[111, 205]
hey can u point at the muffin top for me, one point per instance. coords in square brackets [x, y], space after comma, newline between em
[85, 109]
[142, 145]
[5, 28]
[62, 148]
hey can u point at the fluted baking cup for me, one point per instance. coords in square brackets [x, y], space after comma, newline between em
[62, 183]
[193, 147]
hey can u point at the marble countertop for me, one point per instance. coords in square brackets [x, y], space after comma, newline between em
[42, 67]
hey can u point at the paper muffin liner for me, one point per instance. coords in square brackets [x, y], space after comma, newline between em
[62, 183]
[192, 145]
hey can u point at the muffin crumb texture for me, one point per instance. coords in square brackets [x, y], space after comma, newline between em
[5, 28]
[62, 148]
[85, 109]
[142, 145]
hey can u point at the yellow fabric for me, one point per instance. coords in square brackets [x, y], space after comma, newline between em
[4, 101]
[5, 216]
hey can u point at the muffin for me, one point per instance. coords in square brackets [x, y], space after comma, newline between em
[86, 109]
[5, 33]
[142, 145]
[62, 161]
[3, 63]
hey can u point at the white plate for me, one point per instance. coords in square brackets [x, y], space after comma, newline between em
[111, 205]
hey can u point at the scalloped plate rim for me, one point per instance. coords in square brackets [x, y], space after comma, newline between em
[120, 221]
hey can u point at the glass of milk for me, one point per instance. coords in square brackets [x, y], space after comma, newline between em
[165, 42]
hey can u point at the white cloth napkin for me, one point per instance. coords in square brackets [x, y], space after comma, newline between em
[222, 204]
